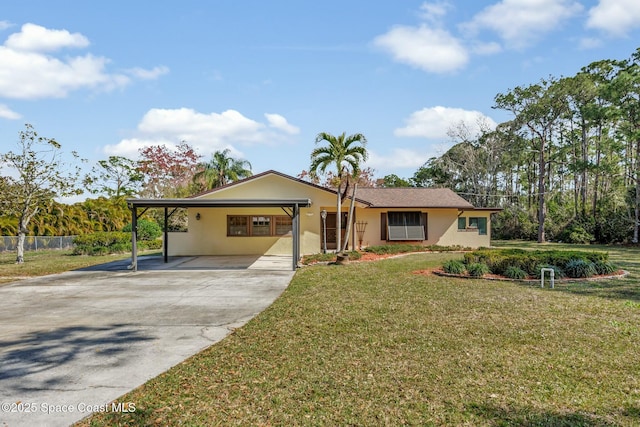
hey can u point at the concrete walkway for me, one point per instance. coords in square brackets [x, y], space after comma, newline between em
[71, 343]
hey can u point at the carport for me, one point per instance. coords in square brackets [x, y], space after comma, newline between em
[290, 206]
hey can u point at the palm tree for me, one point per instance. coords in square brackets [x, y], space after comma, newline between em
[346, 153]
[221, 170]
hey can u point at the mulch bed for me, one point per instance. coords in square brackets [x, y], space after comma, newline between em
[438, 272]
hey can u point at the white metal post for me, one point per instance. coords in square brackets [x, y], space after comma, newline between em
[551, 277]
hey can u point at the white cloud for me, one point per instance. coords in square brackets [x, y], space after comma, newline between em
[129, 147]
[207, 133]
[490, 48]
[152, 74]
[399, 158]
[27, 72]
[590, 43]
[28, 75]
[521, 22]
[34, 38]
[433, 12]
[616, 17]
[5, 24]
[435, 122]
[7, 113]
[430, 49]
[277, 121]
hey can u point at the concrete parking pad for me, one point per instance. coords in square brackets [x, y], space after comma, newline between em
[72, 343]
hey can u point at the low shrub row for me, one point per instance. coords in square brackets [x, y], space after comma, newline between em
[520, 264]
[109, 242]
[405, 247]
[476, 269]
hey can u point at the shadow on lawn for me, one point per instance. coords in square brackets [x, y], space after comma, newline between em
[625, 289]
[530, 417]
[26, 362]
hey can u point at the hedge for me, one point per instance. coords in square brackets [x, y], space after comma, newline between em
[498, 260]
[109, 242]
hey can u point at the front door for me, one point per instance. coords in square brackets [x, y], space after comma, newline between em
[332, 228]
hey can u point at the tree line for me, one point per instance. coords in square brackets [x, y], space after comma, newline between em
[37, 173]
[566, 166]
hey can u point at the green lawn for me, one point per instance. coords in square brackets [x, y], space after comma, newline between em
[40, 263]
[375, 344]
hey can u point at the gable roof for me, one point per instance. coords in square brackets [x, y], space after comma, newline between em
[258, 176]
[411, 197]
[405, 197]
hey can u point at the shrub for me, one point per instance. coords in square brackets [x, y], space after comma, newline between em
[149, 244]
[394, 249]
[530, 261]
[513, 272]
[604, 267]
[578, 268]
[147, 230]
[453, 267]
[477, 269]
[400, 248]
[577, 231]
[102, 243]
[557, 271]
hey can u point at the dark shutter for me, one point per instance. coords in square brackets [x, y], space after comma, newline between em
[383, 226]
[482, 225]
[462, 223]
[425, 217]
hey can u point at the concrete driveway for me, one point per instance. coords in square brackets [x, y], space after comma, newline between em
[72, 343]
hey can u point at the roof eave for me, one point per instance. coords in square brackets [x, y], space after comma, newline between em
[217, 203]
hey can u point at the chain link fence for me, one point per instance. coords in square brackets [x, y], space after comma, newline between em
[35, 243]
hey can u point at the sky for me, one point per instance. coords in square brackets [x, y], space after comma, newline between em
[263, 78]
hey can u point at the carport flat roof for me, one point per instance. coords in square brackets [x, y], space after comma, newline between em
[216, 203]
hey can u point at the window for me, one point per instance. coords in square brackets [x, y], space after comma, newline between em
[261, 226]
[237, 226]
[475, 223]
[283, 225]
[258, 225]
[406, 226]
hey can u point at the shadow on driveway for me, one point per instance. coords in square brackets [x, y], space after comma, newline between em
[205, 262]
[36, 353]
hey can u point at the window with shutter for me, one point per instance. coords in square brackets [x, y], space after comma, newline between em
[405, 226]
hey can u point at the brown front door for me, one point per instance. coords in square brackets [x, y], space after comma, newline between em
[331, 229]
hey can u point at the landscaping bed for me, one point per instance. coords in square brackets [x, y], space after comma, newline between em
[527, 266]
[439, 272]
[375, 253]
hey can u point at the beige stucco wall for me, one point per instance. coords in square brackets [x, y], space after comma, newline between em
[208, 236]
[442, 228]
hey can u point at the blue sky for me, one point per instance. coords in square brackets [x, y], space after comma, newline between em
[262, 78]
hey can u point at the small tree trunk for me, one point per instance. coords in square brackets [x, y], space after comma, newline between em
[636, 209]
[22, 232]
[338, 219]
[350, 217]
[541, 195]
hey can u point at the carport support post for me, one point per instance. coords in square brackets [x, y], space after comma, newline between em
[134, 238]
[295, 225]
[166, 235]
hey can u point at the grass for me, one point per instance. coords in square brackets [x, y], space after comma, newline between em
[375, 344]
[40, 263]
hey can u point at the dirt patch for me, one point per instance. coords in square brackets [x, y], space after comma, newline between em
[369, 256]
